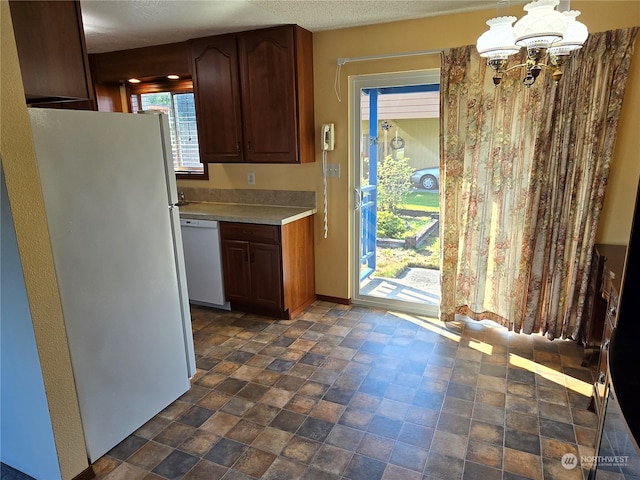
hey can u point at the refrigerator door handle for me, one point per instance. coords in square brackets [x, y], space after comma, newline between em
[165, 133]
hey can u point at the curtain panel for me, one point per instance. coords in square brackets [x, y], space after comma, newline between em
[524, 172]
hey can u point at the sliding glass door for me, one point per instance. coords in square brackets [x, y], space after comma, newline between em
[395, 150]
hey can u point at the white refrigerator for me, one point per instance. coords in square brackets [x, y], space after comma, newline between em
[109, 192]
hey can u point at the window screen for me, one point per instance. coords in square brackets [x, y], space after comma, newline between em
[179, 105]
[182, 123]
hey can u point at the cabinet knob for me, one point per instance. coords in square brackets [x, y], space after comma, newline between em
[605, 345]
[238, 146]
[612, 311]
[601, 377]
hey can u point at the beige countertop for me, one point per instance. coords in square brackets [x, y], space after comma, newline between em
[244, 213]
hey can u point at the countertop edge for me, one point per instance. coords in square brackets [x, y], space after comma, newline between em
[304, 214]
[296, 213]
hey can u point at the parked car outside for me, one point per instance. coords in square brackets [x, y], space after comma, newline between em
[427, 178]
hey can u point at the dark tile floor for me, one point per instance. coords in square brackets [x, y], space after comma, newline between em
[345, 392]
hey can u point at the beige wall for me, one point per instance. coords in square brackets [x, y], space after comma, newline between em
[615, 222]
[25, 197]
[332, 259]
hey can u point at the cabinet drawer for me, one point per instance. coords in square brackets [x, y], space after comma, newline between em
[250, 232]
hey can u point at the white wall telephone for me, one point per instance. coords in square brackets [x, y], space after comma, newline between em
[327, 138]
[327, 143]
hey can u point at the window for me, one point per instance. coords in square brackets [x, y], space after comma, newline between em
[177, 101]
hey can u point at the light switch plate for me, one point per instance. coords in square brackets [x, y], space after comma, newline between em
[333, 170]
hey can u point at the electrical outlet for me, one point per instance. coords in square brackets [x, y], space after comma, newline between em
[333, 170]
[251, 178]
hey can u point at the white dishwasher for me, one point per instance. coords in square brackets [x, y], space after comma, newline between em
[203, 264]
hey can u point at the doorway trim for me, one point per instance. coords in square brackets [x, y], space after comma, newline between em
[356, 84]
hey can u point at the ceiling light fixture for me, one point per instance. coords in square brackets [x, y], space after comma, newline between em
[133, 80]
[543, 31]
[173, 77]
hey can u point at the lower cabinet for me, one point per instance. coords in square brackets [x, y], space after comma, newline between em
[269, 269]
[603, 314]
[251, 273]
[602, 378]
[606, 271]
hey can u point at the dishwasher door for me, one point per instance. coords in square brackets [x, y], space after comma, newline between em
[203, 264]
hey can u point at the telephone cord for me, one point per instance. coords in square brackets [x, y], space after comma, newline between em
[324, 193]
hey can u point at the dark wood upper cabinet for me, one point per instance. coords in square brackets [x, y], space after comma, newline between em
[254, 96]
[52, 51]
[267, 68]
[216, 84]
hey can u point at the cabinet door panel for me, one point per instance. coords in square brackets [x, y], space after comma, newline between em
[267, 66]
[237, 270]
[266, 275]
[214, 67]
[52, 51]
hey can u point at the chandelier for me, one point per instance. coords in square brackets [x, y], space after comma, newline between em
[543, 31]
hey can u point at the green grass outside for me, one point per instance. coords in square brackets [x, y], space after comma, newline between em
[421, 200]
[391, 262]
[415, 224]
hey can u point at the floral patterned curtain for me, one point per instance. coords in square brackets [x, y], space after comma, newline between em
[524, 172]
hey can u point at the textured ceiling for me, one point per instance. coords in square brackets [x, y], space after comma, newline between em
[121, 24]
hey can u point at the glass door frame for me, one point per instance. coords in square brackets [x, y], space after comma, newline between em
[356, 84]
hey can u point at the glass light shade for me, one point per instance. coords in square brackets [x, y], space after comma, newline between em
[541, 26]
[574, 37]
[498, 42]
